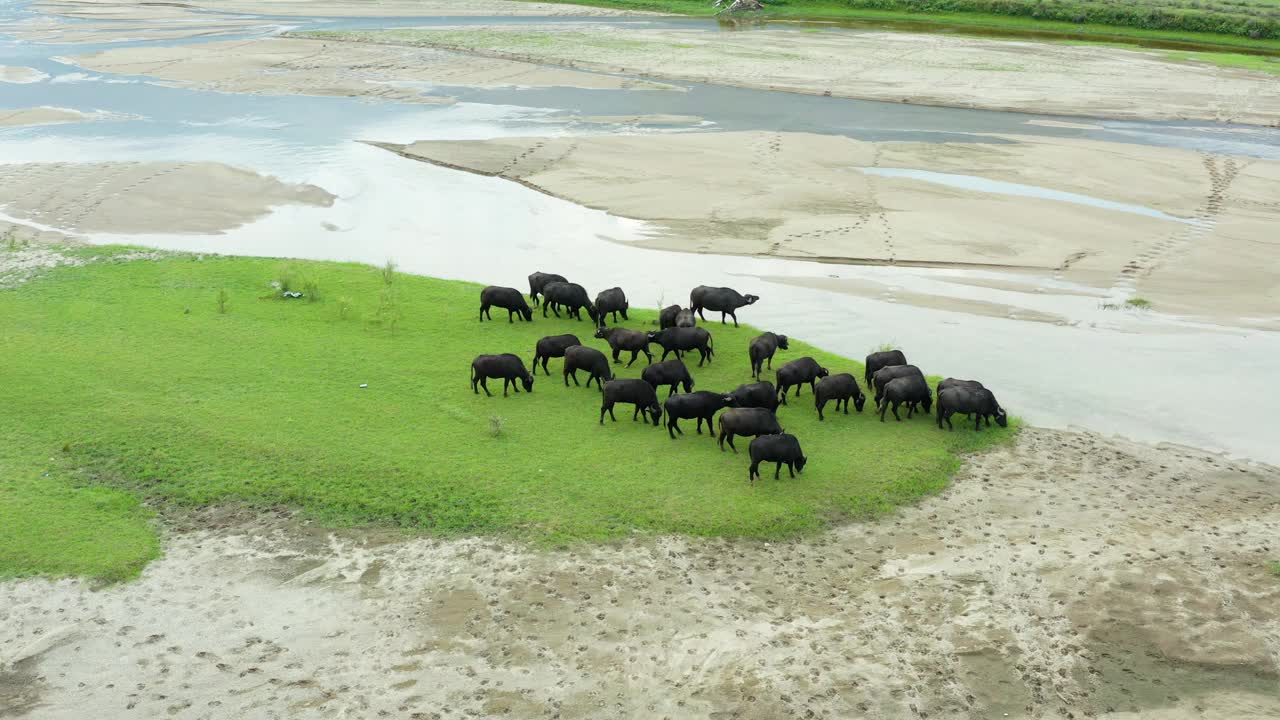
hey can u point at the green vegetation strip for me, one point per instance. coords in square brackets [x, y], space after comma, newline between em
[1253, 23]
[125, 381]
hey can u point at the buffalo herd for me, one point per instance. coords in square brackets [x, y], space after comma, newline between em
[750, 410]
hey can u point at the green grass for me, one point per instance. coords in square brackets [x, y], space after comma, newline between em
[1274, 567]
[1251, 23]
[1259, 63]
[124, 382]
[1138, 303]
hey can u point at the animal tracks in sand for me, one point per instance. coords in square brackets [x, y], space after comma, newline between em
[1066, 575]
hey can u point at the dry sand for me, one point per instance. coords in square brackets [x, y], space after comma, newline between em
[1066, 576]
[143, 197]
[22, 117]
[312, 67]
[801, 196]
[945, 70]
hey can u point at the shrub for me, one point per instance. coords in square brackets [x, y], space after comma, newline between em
[311, 288]
[389, 272]
[344, 307]
[389, 313]
[223, 297]
[495, 426]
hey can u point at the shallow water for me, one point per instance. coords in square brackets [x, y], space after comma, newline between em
[1111, 371]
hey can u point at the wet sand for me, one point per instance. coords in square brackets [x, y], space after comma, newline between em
[1191, 233]
[313, 67]
[1066, 576]
[944, 70]
[136, 198]
[20, 75]
[23, 117]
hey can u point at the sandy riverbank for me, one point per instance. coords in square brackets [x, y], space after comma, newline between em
[1187, 231]
[23, 117]
[314, 67]
[20, 75]
[142, 198]
[944, 70]
[1068, 575]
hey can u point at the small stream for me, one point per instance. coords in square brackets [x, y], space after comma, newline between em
[1104, 370]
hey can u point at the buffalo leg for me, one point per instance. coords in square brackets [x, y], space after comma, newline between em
[611, 415]
[734, 315]
[574, 373]
[735, 447]
[753, 471]
[510, 316]
[882, 406]
[895, 412]
[846, 406]
[671, 427]
[911, 410]
[599, 385]
[777, 470]
[544, 366]
[602, 409]
[505, 382]
[617, 356]
[635, 414]
[699, 311]
[824, 404]
[648, 356]
[791, 469]
[484, 383]
[977, 424]
[634, 355]
[782, 393]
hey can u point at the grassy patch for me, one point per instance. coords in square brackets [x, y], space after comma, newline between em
[1258, 63]
[1274, 567]
[1254, 23]
[132, 380]
[1138, 303]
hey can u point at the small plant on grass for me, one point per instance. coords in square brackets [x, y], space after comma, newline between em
[495, 426]
[311, 288]
[1274, 567]
[885, 347]
[344, 307]
[223, 298]
[389, 272]
[389, 312]
[10, 240]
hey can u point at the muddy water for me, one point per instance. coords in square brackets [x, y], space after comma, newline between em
[1110, 371]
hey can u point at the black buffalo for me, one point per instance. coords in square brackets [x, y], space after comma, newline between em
[971, 401]
[912, 390]
[667, 316]
[685, 318]
[581, 357]
[571, 296]
[952, 382]
[782, 449]
[747, 422]
[840, 388]
[632, 392]
[877, 360]
[682, 339]
[508, 299]
[881, 377]
[506, 366]
[702, 405]
[762, 348]
[612, 301]
[757, 395]
[621, 339]
[723, 300]
[796, 373]
[552, 346]
[668, 372]
[539, 280]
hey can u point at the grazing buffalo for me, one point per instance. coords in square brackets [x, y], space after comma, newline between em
[571, 296]
[682, 339]
[620, 339]
[506, 366]
[881, 377]
[797, 373]
[877, 360]
[685, 318]
[632, 392]
[612, 301]
[508, 299]
[747, 422]
[840, 388]
[911, 390]
[702, 405]
[952, 382]
[756, 395]
[667, 316]
[668, 372]
[971, 401]
[552, 346]
[762, 348]
[539, 280]
[725, 301]
[581, 357]
[782, 449]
